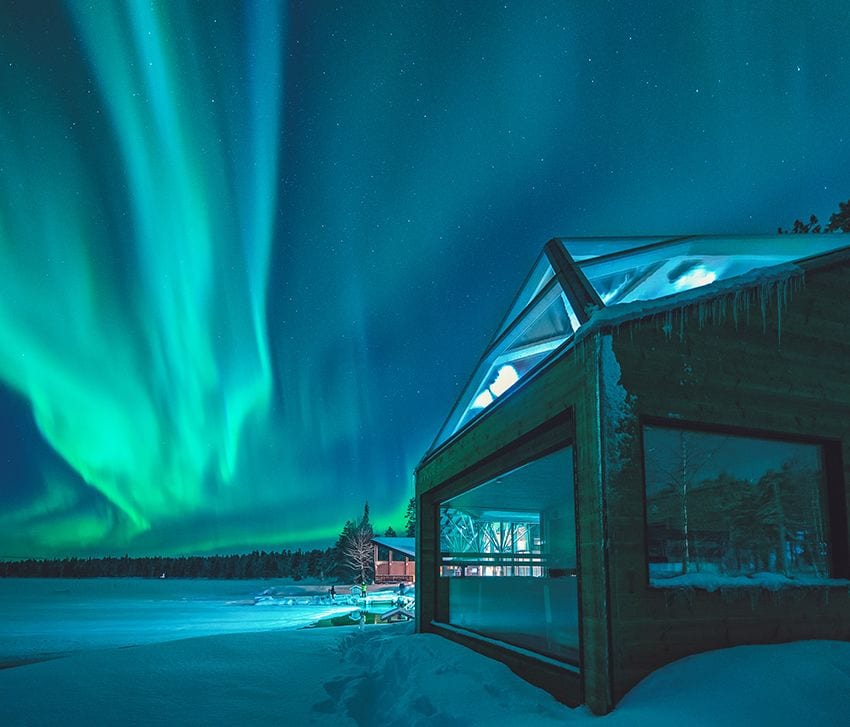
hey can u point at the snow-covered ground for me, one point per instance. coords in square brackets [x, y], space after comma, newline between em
[387, 675]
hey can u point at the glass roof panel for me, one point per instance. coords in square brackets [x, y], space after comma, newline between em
[621, 270]
[544, 326]
[653, 271]
[540, 274]
[585, 248]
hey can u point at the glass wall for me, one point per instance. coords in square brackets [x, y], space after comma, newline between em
[728, 505]
[508, 558]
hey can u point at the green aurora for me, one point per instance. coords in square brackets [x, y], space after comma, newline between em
[134, 303]
[250, 251]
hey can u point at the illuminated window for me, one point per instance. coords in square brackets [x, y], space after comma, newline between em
[527, 341]
[508, 558]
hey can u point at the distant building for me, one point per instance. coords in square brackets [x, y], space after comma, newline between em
[651, 460]
[395, 560]
[396, 615]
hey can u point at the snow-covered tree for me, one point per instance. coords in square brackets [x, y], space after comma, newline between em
[355, 549]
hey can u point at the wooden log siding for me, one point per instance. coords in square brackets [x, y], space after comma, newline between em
[737, 377]
[397, 568]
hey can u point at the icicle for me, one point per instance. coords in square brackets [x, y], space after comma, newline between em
[735, 304]
[762, 293]
[667, 327]
[754, 594]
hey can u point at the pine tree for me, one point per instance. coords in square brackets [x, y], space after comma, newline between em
[410, 518]
[364, 521]
[838, 222]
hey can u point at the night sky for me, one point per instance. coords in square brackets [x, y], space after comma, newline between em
[250, 253]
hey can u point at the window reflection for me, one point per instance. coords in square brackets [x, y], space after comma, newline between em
[728, 505]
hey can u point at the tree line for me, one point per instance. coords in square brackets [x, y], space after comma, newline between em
[839, 221]
[295, 564]
[349, 560]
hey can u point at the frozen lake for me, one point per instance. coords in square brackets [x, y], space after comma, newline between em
[45, 618]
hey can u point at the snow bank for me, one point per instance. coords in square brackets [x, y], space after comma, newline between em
[387, 675]
[802, 683]
[767, 581]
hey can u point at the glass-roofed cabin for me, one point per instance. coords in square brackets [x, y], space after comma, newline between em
[650, 460]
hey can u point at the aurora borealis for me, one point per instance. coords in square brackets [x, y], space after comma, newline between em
[250, 252]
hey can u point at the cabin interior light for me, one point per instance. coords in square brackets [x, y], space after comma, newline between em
[695, 278]
[483, 400]
[505, 379]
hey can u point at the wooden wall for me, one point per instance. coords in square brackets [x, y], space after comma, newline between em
[786, 372]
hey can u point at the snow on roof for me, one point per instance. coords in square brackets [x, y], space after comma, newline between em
[580, 284]
[403, 545]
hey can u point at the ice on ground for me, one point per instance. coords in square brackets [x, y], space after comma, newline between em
[45, 618]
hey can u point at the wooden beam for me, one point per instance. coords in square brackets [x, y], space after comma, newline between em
[581, 294]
